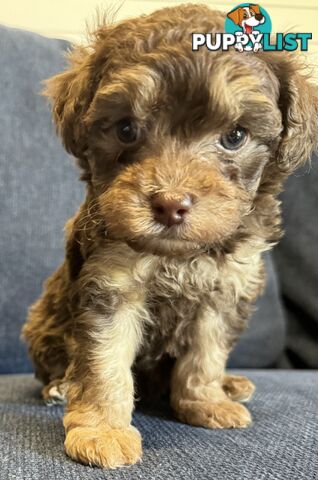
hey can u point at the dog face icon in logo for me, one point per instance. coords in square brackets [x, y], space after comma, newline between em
[248, 18]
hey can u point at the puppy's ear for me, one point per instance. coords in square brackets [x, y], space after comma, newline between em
[255, 9]
[236, 16]
[299, 106]
[71, 93]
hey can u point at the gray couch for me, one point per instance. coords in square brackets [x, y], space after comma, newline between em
[38, 192]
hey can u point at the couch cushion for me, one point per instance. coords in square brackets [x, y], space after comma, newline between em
[281, 444]
[263, 341]
[38, 183]
[297, 266]
[39, 191]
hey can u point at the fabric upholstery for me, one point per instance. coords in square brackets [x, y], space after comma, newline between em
[297, 265]
[262, 344]
[280, 445]
[38, 184]
[39, 191]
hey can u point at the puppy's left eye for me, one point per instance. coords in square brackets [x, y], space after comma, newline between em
[127, 131]
[234, 139]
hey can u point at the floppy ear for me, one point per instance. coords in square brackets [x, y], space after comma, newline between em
[299, 106]
[255, 9]
[71, 93]
[236, 15]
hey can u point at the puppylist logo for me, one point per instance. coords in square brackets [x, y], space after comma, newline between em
[248, 28]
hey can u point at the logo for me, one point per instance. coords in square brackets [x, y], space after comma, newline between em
[246, 20]
[248, 28]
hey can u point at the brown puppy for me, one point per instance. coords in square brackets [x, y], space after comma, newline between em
[183, 154]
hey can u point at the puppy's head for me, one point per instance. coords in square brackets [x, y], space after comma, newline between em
[176, 145]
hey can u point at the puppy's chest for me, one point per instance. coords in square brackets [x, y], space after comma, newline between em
[176, 292]
[188, 281]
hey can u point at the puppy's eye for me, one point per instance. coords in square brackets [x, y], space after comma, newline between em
[127, 131]
[234, 139]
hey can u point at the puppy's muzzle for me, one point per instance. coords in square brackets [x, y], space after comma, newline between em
[170, 210]
[259, 17]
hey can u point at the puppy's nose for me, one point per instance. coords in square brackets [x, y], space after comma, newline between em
[259, 16]
[169, 210]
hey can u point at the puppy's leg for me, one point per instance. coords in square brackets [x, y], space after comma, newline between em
[197, 394]
[100, 390]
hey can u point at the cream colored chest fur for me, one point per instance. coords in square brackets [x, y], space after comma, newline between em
[178, 292]
[172, 293]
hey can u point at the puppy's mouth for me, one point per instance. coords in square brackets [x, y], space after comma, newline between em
[164, 246]
[164, 239]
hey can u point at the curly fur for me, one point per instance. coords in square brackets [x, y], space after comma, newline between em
[132, 295]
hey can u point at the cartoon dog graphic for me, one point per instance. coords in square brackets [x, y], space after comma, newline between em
[247, 18]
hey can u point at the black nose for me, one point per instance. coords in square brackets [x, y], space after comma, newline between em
[169, 210]
[259, 16]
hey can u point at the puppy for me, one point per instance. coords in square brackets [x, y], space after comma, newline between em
[247, 18]
[183, 154]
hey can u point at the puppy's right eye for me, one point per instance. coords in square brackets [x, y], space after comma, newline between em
[234, 139]
[127, 131]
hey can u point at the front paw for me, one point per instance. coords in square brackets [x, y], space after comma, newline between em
[238, 388]
[257, 47]
[239, 47]
[102, 447]
[54, 393]
[224, 414]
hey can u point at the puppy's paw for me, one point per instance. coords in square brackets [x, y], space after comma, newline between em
[102, 447]
[257, 47]
[237, 388]
[239, 47]
[225, 414]
[54, 393]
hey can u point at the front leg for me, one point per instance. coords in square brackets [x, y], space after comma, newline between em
[198, 396]
[100, 392]
[108, 304]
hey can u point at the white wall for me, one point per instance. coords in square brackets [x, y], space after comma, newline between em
[66, 18]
